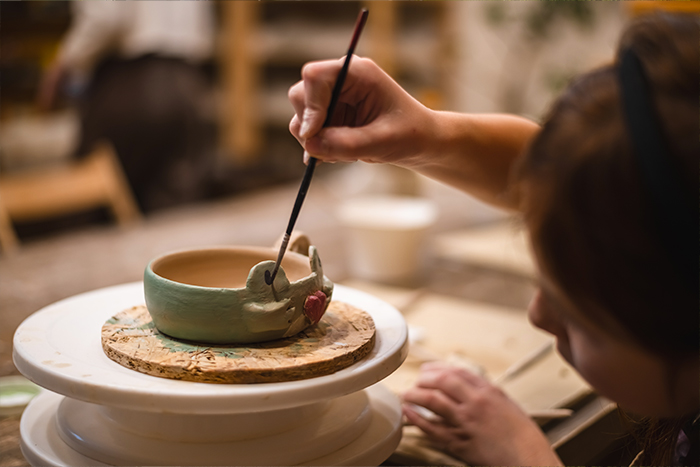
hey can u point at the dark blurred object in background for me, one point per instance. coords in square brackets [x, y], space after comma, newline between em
[136, 71]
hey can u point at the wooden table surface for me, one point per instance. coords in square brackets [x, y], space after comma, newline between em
[46, 270]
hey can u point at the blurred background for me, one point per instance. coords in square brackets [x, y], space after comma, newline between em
[128, 129]
[214, 122]
[245, 55]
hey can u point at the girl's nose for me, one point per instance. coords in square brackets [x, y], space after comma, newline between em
[541, 315]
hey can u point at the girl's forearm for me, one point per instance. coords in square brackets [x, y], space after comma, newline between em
[475, 153]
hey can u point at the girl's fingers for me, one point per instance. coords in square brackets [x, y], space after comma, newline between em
[439, 433]
[446, 382]
[464, 374]
[371, 122]
[435, 401]
[296, 98]
[319, 79]
[294, 125]
[371, 143]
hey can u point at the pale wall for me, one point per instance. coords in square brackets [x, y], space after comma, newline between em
[492, 60]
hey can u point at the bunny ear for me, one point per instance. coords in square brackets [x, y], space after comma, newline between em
[315, 261]
[256, 278]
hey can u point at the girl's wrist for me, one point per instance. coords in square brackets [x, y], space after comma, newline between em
[429, 142]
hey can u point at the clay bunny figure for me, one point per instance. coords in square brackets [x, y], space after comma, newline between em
[200, 295]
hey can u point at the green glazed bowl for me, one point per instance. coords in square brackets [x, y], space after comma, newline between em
[219, 295]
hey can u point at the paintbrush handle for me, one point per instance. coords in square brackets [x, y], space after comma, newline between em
[340, 81]
[520, 366]
[309, 173]
[335, 95]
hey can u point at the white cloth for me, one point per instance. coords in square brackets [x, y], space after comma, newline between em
[129, 29]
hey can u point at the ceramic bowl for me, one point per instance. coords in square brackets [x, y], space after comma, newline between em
[219, 295]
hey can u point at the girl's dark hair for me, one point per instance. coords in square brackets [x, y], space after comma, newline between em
[588, 210]
[586, 205]
[657, 440]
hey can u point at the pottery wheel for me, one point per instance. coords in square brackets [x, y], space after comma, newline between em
[344, 336]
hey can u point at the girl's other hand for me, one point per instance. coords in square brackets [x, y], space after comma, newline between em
[477, 422]
[375, 119]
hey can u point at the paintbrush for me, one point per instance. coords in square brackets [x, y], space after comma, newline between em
[359, 25]
[529, 360]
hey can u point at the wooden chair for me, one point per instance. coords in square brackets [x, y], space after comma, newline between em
[96, 181]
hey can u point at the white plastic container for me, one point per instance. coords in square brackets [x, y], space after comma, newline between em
[15, 393]
[386, 236]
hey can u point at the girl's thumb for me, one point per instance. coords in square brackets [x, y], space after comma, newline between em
[311, 122]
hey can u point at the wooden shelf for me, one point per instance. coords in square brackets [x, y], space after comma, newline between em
[30, 34]
[409, 40]
[289, 43]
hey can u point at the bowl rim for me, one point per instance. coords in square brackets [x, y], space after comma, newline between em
[149, 267]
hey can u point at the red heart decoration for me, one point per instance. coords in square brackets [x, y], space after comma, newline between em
[315, 306]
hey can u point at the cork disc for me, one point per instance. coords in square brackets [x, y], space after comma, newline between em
[344, 335]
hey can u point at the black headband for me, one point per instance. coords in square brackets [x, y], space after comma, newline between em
[676, 221]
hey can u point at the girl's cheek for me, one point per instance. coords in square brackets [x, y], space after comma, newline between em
[593, 367]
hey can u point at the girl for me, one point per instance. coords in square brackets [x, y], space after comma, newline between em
[607, 189]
